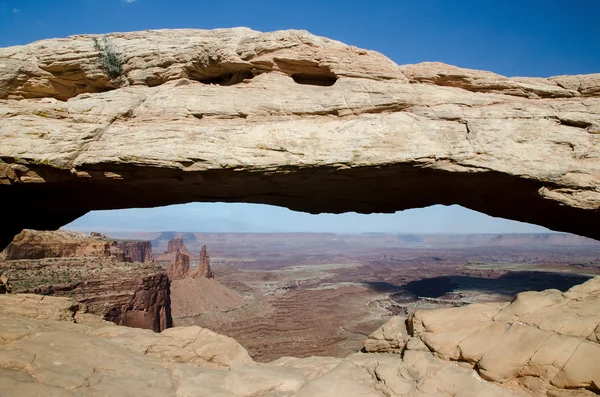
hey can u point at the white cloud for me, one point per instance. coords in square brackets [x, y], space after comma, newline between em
[129, 1]
[16, 10]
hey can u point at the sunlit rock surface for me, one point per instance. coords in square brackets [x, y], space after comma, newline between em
[540, 344]
[545, 342]
[290, 119]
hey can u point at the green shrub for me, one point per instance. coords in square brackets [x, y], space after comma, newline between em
[110, 59]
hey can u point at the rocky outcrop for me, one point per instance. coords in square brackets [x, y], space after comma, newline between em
[136, 251]
[179, 268]
[203, 269]
[390, 337]
[141, 302]
[546, 343]
[4, 286]
[38, 244]
[75, 354]
[175, 245]
[288, 118]
[93, 272]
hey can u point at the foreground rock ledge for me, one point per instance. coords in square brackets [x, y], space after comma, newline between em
[290, 119]
[50, 346]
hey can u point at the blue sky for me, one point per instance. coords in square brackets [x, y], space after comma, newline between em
[509, 37]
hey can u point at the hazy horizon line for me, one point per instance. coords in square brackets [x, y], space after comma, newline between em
[102, 230]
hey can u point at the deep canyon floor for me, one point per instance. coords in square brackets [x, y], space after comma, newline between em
[321, 294]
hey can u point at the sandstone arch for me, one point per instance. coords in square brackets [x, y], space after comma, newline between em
[290, 119]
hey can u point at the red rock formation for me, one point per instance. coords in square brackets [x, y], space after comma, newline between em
[94, 271]
[179, 268]
[4, 286]
[203, 269]
[149, 307]
[136, 251]
[35, 244]
[175, 245]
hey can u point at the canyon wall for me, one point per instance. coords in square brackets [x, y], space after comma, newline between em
[203, 269]
[93, 270]
[34, 244]
[136, 251]
[178, 269]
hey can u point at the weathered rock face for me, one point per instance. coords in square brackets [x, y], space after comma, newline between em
[288, 118]
[203, 269]
[179, 268]
[546, 342]
[175, 245]
[142, 302]
[132, 294]
[37, 244]
[4, 285]
[51, 346]
[136, 251]
[390, 337]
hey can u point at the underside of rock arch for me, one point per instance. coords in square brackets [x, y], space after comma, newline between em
[290, 119]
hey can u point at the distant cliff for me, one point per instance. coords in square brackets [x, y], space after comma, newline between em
[179, 266]
[136, 251]
[94, 270]
[36, 244]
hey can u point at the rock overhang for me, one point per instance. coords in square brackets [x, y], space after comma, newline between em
[292, 119]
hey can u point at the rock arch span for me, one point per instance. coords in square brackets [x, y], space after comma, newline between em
[289, 119]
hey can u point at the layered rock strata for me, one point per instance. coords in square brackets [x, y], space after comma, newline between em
[288, 118]
[39, 244]
[179, 268]
[203, 269]
[51, 346]
[136, 251]
[546, 343]
[92, 271]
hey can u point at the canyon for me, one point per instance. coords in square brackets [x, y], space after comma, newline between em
[307, 294]
[296, 120]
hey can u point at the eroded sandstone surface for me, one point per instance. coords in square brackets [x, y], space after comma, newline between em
[94, 270]
[545, 342]
[290, 119]
[51, 346]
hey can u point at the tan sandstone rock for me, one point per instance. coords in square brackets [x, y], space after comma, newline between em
[179, 268]
[390, 337]
[288, 118]
[62, 358]
[545, 341]
[181, 344]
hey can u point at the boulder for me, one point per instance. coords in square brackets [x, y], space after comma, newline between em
[390, 337]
